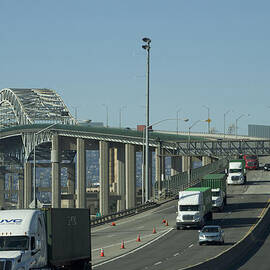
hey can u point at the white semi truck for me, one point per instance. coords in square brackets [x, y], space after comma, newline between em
[237, 172]
[194, 207]
[50, 239]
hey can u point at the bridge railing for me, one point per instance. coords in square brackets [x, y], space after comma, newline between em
[171, 186]
[95, 221]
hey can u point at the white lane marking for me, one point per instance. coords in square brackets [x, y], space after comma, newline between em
[134, 250]
[190, 245]
[141, 227]
[176, 254]
[157, 263]
[128, 241]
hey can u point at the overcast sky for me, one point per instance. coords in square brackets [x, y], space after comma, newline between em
[203, 53]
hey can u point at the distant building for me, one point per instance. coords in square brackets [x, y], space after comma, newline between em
[259, 131]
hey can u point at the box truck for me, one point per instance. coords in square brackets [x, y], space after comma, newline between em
[252, 162]
[50, 239]
[194, 207]
[217, 183]
[237, 172]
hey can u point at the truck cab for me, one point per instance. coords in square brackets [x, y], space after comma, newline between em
[194, 207]
[218, 197]
[237, 172]
[22, 240]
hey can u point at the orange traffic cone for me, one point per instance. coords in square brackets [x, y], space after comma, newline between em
[138, 238]
[163, 220]
[102, 252]
[154, 230]
[167, 224]
[122, 245]
[113, 223]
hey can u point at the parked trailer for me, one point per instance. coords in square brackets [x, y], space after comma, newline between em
[217, 183]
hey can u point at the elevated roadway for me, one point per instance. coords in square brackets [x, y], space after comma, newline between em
[179, 249]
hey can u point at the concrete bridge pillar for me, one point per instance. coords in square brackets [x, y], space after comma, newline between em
[186, 163]
[20, 190]
[158, 170]
[28, 175]
[104, 178]
[71, 184]
[10, 186]
[2, 190]
[120, 174]
[150, 171]
[176, 165]
[56, 172]
[81, 173]
[130, 160]
[206, 160]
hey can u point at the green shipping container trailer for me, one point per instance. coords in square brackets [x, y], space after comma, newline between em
[73, 222]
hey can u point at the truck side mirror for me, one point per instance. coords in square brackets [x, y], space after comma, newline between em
[38, 244]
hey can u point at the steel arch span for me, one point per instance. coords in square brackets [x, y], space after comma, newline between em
[20, 106]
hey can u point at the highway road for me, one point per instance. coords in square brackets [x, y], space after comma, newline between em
[171, 249]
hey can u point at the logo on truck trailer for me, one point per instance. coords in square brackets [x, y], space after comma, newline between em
[12, 221]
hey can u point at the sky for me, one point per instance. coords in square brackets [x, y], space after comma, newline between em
[205, 56]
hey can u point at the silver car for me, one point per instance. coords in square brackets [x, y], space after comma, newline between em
[211, 234]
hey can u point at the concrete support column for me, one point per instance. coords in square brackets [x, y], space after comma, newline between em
[158, 170]
[121, 204]
[130, 160]
[71, 184]
[10, 186]
[206, 160]
[56, 172]
[150, 170]
[2, 190]
[176, 165]
[103, 178]
[81, 168]
[28, 175]
[111, 169]
[20, 190]
[186, 163]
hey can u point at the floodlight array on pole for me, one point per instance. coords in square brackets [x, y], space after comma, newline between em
[147, 47]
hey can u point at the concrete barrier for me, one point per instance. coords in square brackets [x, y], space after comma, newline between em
[233, 257]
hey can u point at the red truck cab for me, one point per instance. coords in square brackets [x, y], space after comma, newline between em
[252, 162]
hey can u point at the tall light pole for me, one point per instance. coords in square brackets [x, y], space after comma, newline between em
[177, 117]
[236, 122]
[189, 168]
[107, 115]
[225, 121]
[34, 166]
[208, 117]
[120, 115]
[147, 127]
[147, 47]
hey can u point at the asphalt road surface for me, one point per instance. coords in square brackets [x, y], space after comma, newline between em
[171, 249]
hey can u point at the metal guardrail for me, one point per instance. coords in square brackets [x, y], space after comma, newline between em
[170, 187]
[113, 216]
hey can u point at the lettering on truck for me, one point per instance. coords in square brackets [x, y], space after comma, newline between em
[15, 221]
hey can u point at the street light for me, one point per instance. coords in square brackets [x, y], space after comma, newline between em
[208, 117]
[177, 116]
[224, 121]
[147, 48]
[236, 121]
[34, 172]
[189, 165]
[145, 183]
[120, 115]
[107, 115]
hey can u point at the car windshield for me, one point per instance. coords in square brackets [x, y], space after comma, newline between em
[251, 157]
[189, 208]
[14, 243]
[267, 165]
[210, 229]
[235, 170]
[215, 193]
